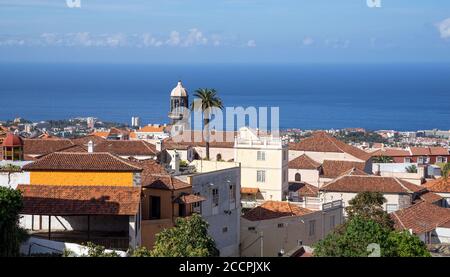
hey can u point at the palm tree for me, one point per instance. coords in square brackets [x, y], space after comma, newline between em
[207, 100]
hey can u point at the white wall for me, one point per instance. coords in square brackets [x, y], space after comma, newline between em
[12, 179]
[443, 235]
[310, 176]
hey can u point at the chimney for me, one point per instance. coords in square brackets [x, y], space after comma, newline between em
[175, 162]
[158, 145]
[90, 147]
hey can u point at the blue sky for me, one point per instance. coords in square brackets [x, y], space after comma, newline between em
[215, 31]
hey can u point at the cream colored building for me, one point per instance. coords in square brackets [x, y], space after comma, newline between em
[264, 163]
[278, 227]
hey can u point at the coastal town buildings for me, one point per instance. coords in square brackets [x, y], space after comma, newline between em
[419, 155]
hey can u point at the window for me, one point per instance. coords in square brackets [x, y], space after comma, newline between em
[332, 222]
[261, 176]
[408, 160]
[155, 207]
[441, 159]
[284, 155]
[298, 177]
[312, 227]
[280, 225]
[197, 206]
[261, 156]
[224, 229]
[391, 208]
[215, 193]
[251, 228]
[232, 196]
[422, 160]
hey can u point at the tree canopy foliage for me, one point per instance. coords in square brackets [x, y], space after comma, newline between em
[188, 238]
[369, 231]
[11, 235]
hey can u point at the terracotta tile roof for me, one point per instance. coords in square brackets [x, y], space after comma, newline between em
[80, 200]
[303, 162]
[195, 138]
[127, 147]
[151, 129]
[249, 190]
[85, 140]
[66, 161]
[275, 209]
[333, 169]
[323, 142]
[372, 183]
[187, 198]
[44, 146]
[391, 152]
[421, 217]
[304, 189]
[439, 185]
[164, 181]
[133, 135]
[354, 172]
[101, 134]
[426, 151]
[430, 197]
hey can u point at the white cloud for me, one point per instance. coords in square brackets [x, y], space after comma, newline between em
[192, 38]
[174, 39]
[444, 28]
[307, 41]
[251, 43]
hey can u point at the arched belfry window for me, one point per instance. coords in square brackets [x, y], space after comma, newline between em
[298, 177]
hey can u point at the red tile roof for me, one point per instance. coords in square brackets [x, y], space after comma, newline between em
[44, 146]
[275, 209]
[12, 140]
[249, 190]
[164, 181]
[430, 197]
[80, 200]
[333, 169]
[151, 129]
[439, 185]
[126, 147]
[303, 162]
[391, 152]
[421, 217]
[83, 141]
[304, 189]
[372, 183]
[187, 198]
[426, 151]
[66, 161]
[323, 142]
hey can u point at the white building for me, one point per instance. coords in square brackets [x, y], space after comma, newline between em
[264, 164]
[278, 227]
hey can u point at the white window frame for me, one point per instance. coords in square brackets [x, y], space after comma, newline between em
[261, 176]
[261, 155]
[408, 160]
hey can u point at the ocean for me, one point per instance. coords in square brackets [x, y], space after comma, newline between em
[310, 96]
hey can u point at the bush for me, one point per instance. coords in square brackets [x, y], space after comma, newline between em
[11, 235]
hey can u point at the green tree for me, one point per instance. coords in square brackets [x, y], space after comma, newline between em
[445, 170]
[99, 251]
[404, 244]
[188, 238]
[140, 252]
[11, 235]
[383, 159]
[207, 100]
[352, 240]
[411, 169]
[369, 205]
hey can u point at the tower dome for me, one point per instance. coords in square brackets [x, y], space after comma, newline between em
[179, 91]
[12, 140]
